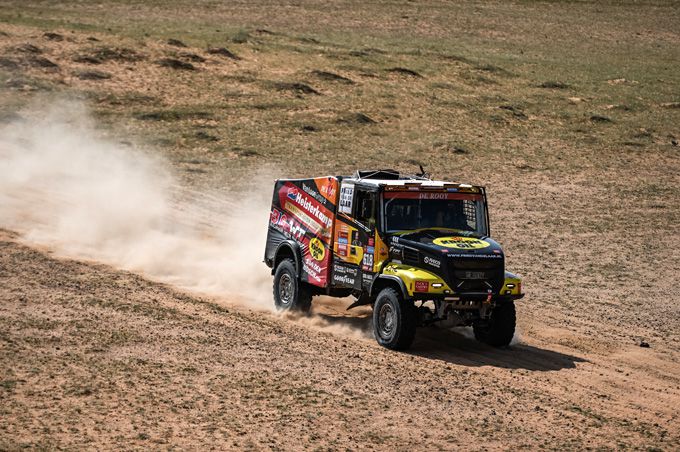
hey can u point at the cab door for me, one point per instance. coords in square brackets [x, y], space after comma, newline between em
[353, 242]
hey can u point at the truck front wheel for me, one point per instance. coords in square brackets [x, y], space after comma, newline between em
[394, 320]
[289, 292]
[500, 328]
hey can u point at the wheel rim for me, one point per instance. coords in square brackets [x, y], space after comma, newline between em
[286, 289]
[386, 322]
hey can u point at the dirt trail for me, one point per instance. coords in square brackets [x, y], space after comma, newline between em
[99, 358]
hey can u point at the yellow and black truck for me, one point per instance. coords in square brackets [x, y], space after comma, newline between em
[415, 249]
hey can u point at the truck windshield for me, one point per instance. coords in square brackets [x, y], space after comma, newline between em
[461, 213]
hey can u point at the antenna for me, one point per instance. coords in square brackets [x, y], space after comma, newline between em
[422, 173]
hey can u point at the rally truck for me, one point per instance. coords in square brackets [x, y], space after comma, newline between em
[417, 250]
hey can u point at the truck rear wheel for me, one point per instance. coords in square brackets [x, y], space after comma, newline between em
[500, 328]
[289, 292]
[394, 321]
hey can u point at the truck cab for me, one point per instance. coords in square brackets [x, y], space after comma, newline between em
[419, 251]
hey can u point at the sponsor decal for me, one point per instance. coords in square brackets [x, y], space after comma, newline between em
[310, 206]
[342, 249]
[316, 249]
[288, 226]
[346, 197]
[371, 242]
[370, 249]
[342, 240]
[342, 270]
[346, 280]
[432, 261]
[327, 186]
[461, 243]
[314, 270]
[313, 193]
[422, 286]
[416, 194]
[476, 256]
[345, 275]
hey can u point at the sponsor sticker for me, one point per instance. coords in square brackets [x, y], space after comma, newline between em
[422, 286]
[346, 197]
[433, 262]
[461, 243]
[316, 249]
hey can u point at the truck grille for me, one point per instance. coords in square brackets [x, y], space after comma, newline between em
[477, 275]
[411, 255]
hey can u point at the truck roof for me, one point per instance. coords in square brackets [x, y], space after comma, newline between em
[391, 179]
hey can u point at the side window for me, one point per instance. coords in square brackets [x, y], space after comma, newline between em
[365, 204]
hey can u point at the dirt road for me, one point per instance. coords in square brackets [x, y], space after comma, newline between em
[92, 357]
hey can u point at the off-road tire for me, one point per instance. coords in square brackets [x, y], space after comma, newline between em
[289, 292]
[500, 328]
[394, 320]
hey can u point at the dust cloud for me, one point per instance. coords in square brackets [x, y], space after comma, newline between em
[64, 187]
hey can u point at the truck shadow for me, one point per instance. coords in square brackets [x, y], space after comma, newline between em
[458, 346]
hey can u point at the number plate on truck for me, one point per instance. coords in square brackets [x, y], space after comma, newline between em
[474, 275]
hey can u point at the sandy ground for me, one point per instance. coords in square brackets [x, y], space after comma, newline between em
[92, 357]
[584, 191]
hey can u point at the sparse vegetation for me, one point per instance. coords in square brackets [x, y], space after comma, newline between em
[567, 111]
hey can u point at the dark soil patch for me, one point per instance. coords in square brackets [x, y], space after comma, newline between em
[296, 87]
[307, 40]
[516, 111]
[53, 37]
[28, 48]
[264, 31]
[93, 75]
[357, 118]
[8, 63]
[221, 51]
[176, 43]
[172, 63]
[671, 105]
[404, 71]
[118, 54]
[192, 57]
[201, 135]
[551, 84]
[172, 115]
[309, 128]
[330, 76]
[600, 119]
[42, 62]
[492, 69]
[246, 152]
[457, 58]
[86, 59]
[92, 39]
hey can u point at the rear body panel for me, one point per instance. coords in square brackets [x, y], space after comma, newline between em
[303, 210]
